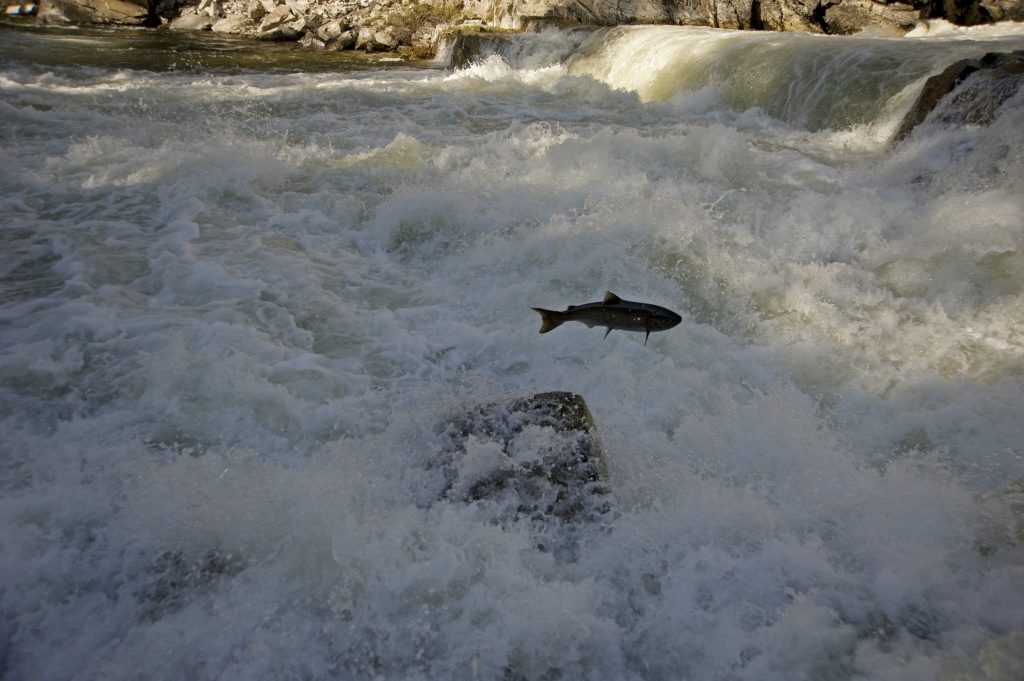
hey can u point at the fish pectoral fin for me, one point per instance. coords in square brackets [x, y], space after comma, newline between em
[611, 299]
[646, 337]
[606, 333]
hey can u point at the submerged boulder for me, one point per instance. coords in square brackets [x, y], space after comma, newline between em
[174, 578]
[1003, 514]
[534, 458]
[969, 91]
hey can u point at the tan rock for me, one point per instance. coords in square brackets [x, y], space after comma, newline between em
[235, 23]
[854, 16]
[94, 12]
[275, 19]
[256, 11]
[191, 22]
[330, 30]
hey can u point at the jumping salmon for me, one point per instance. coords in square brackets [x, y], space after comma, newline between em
[614, 313]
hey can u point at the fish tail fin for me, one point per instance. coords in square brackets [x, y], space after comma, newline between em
[549, 319]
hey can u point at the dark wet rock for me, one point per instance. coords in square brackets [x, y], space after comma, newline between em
[973, 12]
[175, 578]
[1002, 514]
[474, 43]
[533, 458]
[969, 91]
[466, 47]
[913, 620]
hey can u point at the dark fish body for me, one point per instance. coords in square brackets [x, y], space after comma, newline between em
[613, 313]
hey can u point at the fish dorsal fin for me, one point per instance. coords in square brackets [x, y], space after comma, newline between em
[611, 299]
[572, 307]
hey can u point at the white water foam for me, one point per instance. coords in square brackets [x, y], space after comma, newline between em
[237, 306]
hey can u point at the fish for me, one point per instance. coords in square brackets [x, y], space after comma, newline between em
[614, 313]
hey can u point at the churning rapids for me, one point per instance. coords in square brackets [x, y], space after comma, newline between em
[242, 286]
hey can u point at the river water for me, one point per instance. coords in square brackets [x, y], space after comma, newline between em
[244, 286]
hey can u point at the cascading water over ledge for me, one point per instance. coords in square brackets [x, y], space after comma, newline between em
[813, 81]
[541, 44]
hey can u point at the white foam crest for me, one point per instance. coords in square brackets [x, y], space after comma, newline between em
[813, 81]
[933, 28]
[496, 69]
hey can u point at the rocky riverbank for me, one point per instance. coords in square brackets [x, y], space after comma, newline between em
[415, 27]
[372, 26]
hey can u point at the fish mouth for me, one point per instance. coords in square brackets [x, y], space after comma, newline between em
[669, 322]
